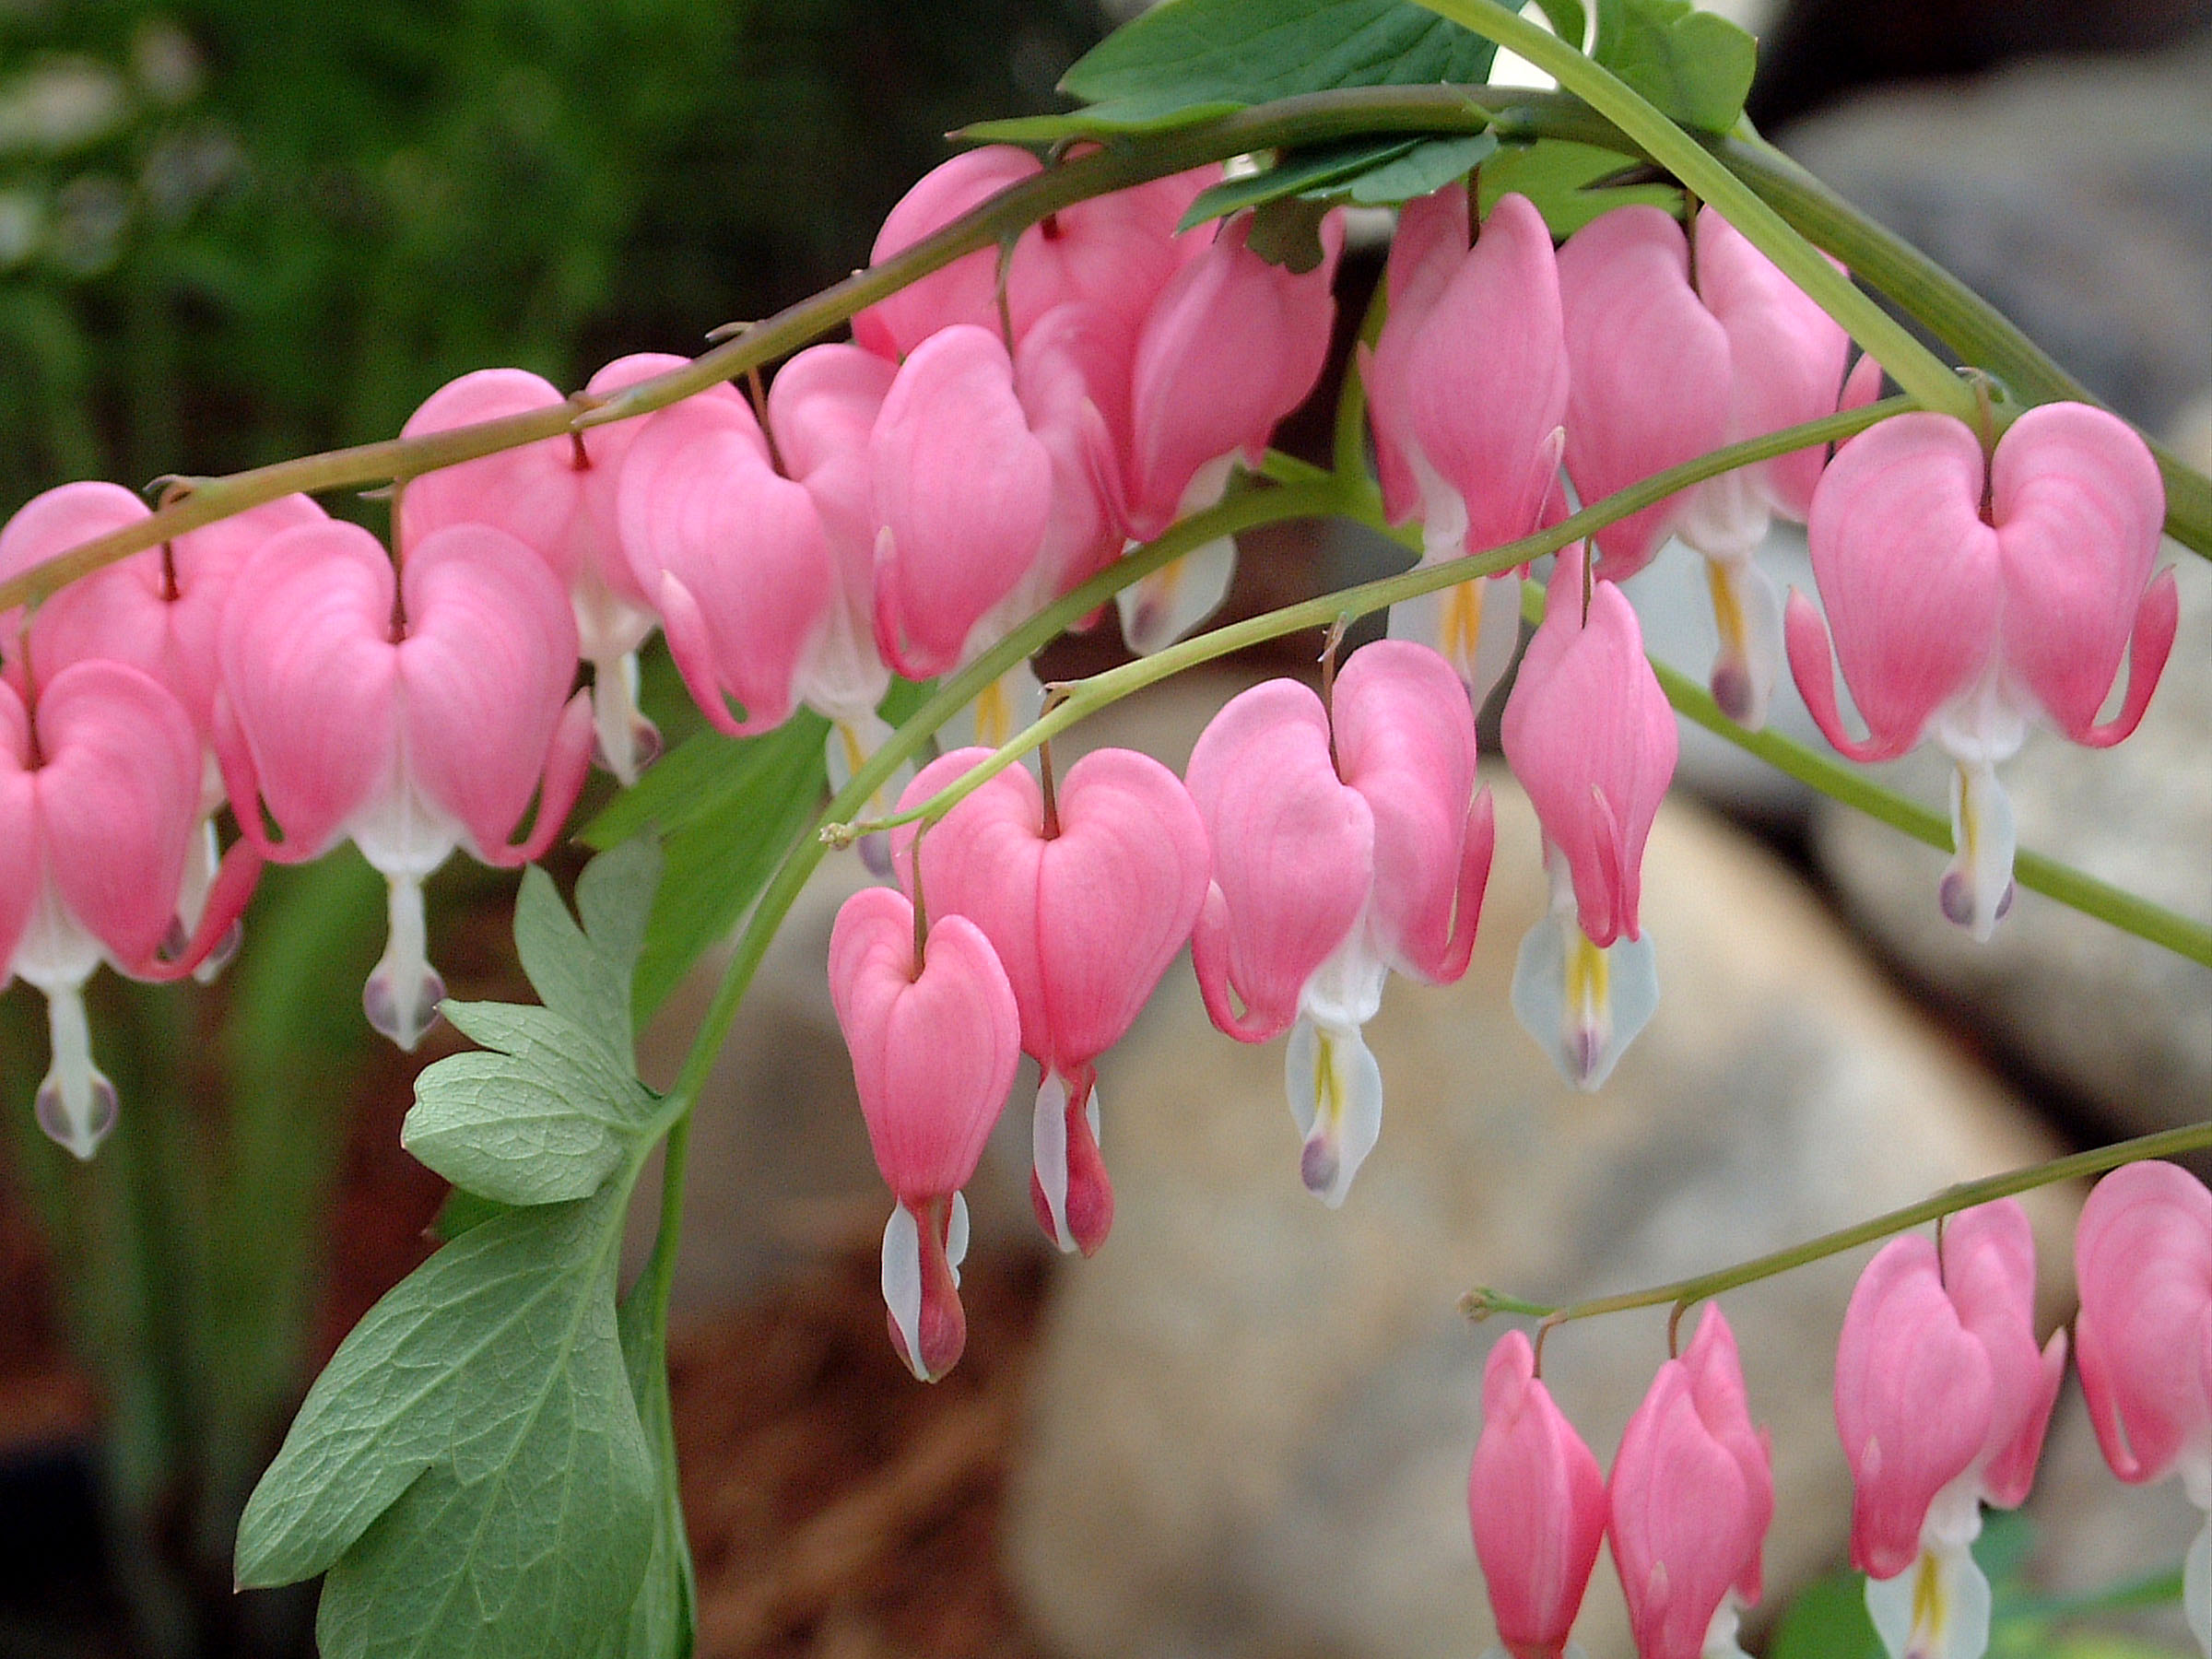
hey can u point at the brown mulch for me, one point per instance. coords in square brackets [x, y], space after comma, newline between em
[837, 1506]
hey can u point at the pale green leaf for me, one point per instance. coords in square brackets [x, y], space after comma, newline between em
[470, 1468]
[1558, 177]
[1422, 170]
[585, 974]
[1297, 172]
[1695, 66]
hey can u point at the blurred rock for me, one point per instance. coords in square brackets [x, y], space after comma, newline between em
[2075, 195]
[1252, 1419]
[2124, 1024]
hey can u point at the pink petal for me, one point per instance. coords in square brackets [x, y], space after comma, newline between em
[1590, 735]
[484, 671]
[2142, 1263]
[822, 406]
[1232, 344]
[20, 856]
[533, 492]
[1911, 576]
[2078, 505]
[118, 798]
[1914, 1401]
[605, 449]
[1431, 243]
[1989, 1273]
[963, 291]
[1293, 855]
[1649, 376]
[311, 683]
[1487, 385]
[1787, 355]
[933, 1052]
[700, 505]
[963, 494]
[1407, 744]
[1537, 1503]
[49, 524]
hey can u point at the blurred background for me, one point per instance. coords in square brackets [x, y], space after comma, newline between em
[240, 229]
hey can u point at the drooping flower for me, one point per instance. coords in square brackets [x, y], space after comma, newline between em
[1085, 897]
[736, 555]
[1349, 841]
[934, 1037]
[1941, 1400]
[1968, 599]
[99, 799]
[1118, 249]
[2143, 1265]
[1536, 1502]
[1590, 735]
[1232, 344]
[1691, 1495]
[160, 611]
[557, 498]
[413, 716]
[1467, 393]
[963, 494]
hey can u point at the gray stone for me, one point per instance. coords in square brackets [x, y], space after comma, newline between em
[2123, 1024]
[1253, 1417]
[2075, 195]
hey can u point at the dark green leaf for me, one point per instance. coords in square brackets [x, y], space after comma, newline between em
[1556, 175]
[1224, 54]
[1422, 170]
[727, 809]
[583, 974]
[1696, 66]
[546, 1119]
[1298, 171]
[1101, 121]
[1826, 1621]
[470, 1468]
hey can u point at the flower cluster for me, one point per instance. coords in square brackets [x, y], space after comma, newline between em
[1942, 1395]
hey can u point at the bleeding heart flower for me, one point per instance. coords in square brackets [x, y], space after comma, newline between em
[1086, 895]
[936, 1037]
[2143, 1263]
[160, 611]
[738, 555]
[1968, 599]
[413, 716]
[1941, 1399]
[1467, 393]
[1537, 1502]
[1117, 250]
[557, 498]
[1691, 1494]
[1590, 735]
[99, 799]
[963, 492]
[1348, 840]
[1234, 344]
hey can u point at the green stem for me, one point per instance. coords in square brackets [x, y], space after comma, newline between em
[660, 1267]
[1912, 365]
[1954, 313]
[2070, 887]
[1087, 697]
[1482, 1301]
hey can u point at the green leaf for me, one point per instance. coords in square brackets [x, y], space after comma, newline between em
[470, 1469]
[546, 1119]
[1567, 20]
[1298, 171]
[1826, 1621]
[1422, 170]
[1557, 176]
[464, 1211]
[1288, 232]
[728, 809]
[1222, 54]
[585, 974]
[1696, 66]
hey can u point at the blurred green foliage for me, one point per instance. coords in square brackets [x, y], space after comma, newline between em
[232, 231]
